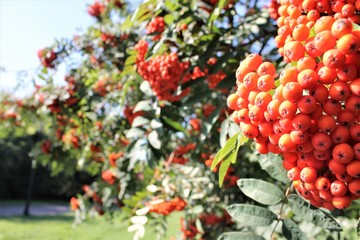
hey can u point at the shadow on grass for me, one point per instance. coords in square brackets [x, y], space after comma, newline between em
[32, 219]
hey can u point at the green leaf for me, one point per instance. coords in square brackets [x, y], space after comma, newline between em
[239, 236]
[130, 60]
[229, 146]
[358, 228]
[272, 164]
[173, 124]
[312, 32]
[171, 5]
[251, 215]
[153, 139]
[169, 19]
[223, 169]
[261, 191]
[316, 216]
[140, 121]
[216, 12]
[292, 231]
[355, 26]
[126, 24]
[216, 160]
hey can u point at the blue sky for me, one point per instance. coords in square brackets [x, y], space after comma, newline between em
[29, 25]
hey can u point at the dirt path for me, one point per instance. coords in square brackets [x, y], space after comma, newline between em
[36, 209]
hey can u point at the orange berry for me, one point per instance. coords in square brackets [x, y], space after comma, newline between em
[285, 143]
[348, 44]
[338, 188]
[321, 141]
[308, 174]
[324, 41]
[322, 183]
[341, 202]
[354, 187]
[334, 59]
[353, 169]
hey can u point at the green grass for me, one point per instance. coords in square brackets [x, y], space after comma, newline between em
[61, 227]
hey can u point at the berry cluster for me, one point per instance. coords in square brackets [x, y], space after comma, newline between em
[46, 147]
[74, 204]
[116, 3]
[165, 208]
[309, 114]
[109, 176]
[96, 9]
[178, 154]
[129, 115]
[156, 26]
[47, 57]
[165, 73]
[212, 79]
[113, 157]
[273, 9]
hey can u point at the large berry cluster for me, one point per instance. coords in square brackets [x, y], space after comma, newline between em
[165, 73]
[156, 26]
[309, 114]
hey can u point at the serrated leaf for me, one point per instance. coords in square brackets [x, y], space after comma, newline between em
[316, 216]
[261, 191]
[260, 21]
[239, 236]
[155, 124]
[224, 128]
[140, 121]
[292, 231]
[251, 215]
[154, 140]
[272, 164]
[143, 106]
[198, 209]
[139, 220]
[234, 129]
[146, 88]
[135, 132]
[199, 226]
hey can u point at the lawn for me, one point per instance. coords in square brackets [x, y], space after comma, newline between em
[61, 227]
